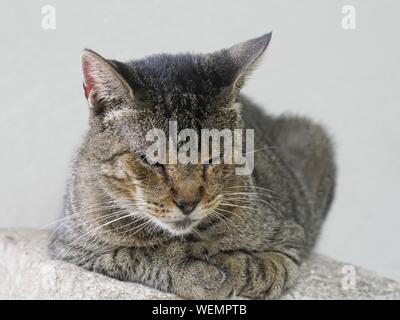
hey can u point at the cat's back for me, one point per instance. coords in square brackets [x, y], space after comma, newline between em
[294, 158]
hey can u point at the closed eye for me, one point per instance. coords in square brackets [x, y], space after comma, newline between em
[156, 166]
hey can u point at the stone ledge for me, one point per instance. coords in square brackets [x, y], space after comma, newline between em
[26, 272]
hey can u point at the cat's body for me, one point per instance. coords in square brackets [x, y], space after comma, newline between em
[249, 234]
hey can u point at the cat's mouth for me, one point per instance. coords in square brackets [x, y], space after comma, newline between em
[181, 226]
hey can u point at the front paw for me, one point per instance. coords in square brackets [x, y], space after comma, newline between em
[202, 250]
[256, 275]
[201, 280]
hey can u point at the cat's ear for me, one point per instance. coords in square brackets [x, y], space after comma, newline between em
[104, 87]
[244, 57]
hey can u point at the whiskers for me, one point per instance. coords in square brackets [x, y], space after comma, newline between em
[234, 203]
[253, 195]
[221, 216]
[91, 229]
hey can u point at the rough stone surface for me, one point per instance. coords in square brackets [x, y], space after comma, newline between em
[26, 272]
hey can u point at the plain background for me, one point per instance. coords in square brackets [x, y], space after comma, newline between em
[347, 79]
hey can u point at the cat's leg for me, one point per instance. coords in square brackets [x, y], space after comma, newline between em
[259, 275]
[262, 261]
[166, 267]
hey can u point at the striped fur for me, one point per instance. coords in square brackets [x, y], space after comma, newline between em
[252, 232]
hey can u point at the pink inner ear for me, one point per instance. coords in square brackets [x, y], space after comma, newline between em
[87, 90]
[88, 80]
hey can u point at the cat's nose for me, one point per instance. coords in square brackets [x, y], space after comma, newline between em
[187, 198]
[186, 207]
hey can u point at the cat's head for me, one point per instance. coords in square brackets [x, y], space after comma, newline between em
[127, 100]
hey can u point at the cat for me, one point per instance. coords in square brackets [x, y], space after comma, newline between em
[198, 231]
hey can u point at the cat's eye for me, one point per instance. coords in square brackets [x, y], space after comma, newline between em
[206, 168]
[212, 162]
[156, 166]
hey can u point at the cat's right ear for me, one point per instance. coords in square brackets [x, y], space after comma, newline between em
[104, 87]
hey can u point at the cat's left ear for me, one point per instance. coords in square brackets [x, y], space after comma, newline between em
[104, 86]
[244, 57]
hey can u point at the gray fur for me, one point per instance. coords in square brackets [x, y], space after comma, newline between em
[269, 221]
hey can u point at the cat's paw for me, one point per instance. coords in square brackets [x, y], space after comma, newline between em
[202, 280]
[202, 250]
[256, 276]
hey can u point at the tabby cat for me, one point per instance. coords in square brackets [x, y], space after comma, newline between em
[199, 231]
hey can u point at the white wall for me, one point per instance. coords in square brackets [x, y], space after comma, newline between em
[349, 80]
